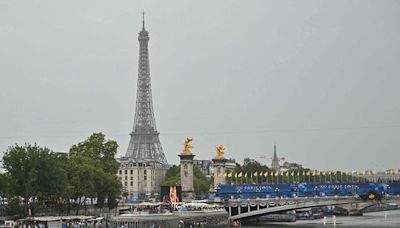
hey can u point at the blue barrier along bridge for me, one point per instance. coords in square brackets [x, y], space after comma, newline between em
[365, 191]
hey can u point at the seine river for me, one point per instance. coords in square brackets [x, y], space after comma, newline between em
[374, 219]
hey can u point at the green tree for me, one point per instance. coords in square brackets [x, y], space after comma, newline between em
[200, 181]
[173, 171]
[92, 171]
[5, 184]
[99, 149]
[33, 171]
[52, 178]
[81, 176]
[14, 207]
[249, 167]
[173, 176]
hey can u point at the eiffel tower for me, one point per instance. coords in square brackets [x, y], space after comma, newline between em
[144, 144]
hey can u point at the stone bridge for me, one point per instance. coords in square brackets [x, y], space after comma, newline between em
[242, 209]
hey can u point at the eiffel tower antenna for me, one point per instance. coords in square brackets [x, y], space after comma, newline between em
[143, 20]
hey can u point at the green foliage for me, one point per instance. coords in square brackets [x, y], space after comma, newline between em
[173, 171]
[5, 184]
[93, 167]
[200, 181]
[173, 181]
[52, 177]
[14, 207]
[99, 149]
[293, 174]
[201, 185]
[33, 171]
[250, 166]
[197, 173]
[88, 171]
[81, 175]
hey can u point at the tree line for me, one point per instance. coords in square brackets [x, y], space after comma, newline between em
[253, 172]
[39, 177]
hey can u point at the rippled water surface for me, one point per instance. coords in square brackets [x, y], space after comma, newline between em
[375, 219]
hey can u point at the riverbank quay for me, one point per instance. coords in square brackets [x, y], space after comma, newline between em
[72, 210]
[61, 221]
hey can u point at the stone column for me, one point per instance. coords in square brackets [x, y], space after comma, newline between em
[219, 170]
[188, 193]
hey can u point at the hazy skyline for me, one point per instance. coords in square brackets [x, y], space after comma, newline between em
[319, 79]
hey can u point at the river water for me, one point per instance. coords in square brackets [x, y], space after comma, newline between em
[373, 219]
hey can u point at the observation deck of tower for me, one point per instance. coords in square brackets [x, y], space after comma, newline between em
[144, 144]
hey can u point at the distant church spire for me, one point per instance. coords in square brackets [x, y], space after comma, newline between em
[275, 161]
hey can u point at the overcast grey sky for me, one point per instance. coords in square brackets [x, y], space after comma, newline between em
[318, 78]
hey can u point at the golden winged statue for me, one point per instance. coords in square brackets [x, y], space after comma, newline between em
[220, 151]
[187, 149]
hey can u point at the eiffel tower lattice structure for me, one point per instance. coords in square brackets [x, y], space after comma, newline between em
[144, 144]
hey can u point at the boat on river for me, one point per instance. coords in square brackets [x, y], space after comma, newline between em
[155, 215]
[142, 220]
[200, 214]
[144, 215]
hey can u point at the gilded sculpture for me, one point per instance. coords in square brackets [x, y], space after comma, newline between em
[187, 146]
[220, 151]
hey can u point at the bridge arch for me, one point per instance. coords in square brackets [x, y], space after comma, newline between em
[249, 209]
